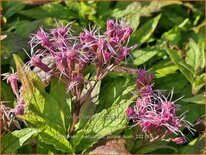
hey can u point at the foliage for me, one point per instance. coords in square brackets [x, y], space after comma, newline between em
[170, 44]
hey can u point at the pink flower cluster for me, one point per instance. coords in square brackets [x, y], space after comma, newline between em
[108, 48]
[153, 112]
[72, 54]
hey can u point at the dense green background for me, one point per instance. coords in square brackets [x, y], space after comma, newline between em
[170, 36]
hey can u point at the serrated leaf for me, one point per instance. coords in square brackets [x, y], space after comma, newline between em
[164, 71]
[102, 124]
[145, 31]
[46, 106]
[198, 83]
[43, 148]
[27, 77]
[14, 140]
[51, 133]
[34, 95]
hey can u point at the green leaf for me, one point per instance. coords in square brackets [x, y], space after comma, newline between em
[114, 89]
[143, 55]
[90, 104]
[201, 44]
[24, 27]
[102, 124]
[145, 31]
[27, 77]
[198, 83]
[43, 148]
[64, 102]
[132, 16]
[52, 10]
[153, 147]
[12, 8]
[6, 93]
[175, 80]
[34, 95]
[193, 55]
[165, 70]
[175, 36]
[171, 17]
[196, 146]
[13, 43]
[14, 140]
[194, 110]
[51, 133]
[199, 99]
[47, 107]
[184, 68]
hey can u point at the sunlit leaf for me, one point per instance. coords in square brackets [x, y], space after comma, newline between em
[34, 95]
[51, 133]
[12, 141]
[102, 124]
[64, 102]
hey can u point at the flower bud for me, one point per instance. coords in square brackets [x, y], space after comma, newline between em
[60, 32]
[43, 38]
[127, 34]
[36, 61]
[110, 28]
[13, 80]
[179, 140]
[107, 57]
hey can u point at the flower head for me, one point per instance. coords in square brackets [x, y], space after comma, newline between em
[156, 113]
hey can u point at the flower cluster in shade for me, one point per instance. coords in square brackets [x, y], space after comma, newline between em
[154, 113]
[72, 54]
